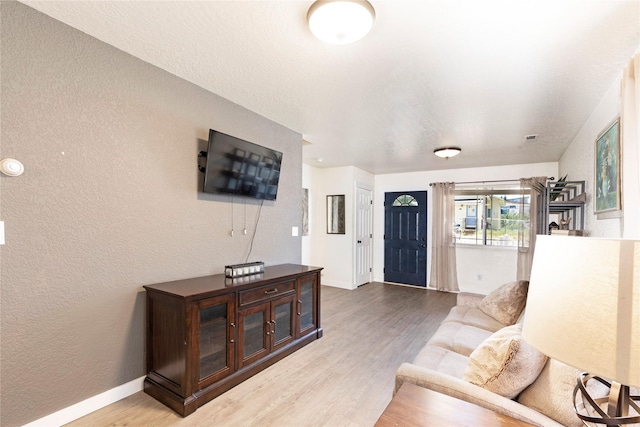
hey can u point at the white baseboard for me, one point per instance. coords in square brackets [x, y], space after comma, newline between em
[89, 405]
[338, 284]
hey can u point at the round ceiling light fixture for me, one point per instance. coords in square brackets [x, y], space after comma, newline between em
[446, 152]
[340, 21]
[11, 167]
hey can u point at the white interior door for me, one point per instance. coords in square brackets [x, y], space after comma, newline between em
[364, 230]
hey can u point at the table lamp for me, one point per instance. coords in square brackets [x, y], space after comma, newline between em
[583, 309]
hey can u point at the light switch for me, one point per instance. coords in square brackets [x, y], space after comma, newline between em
[294, 231]
[1, 232]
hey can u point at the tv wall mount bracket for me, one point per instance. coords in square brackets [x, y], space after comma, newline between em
[201, 155]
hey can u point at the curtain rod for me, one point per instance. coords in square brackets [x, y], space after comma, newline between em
[491, 181]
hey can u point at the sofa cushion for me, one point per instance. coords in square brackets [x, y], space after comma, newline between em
[473, 317]
[442, 360]
[504, 363]
[462, 339]
[469, 299]
[505, 303]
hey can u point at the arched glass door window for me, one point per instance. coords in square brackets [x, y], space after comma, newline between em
[405, 200]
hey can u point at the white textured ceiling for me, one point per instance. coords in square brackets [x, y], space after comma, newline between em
[480, 74]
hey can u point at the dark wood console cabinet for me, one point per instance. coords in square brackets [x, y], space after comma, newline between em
[206, 335]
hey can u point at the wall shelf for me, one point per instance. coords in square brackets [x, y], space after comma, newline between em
[567, 206]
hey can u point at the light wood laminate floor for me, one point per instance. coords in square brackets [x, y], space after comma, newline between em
[346, 378]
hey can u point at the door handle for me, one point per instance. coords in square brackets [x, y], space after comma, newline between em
[359, 241]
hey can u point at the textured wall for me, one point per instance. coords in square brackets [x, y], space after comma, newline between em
[109, 202]
[578, 161]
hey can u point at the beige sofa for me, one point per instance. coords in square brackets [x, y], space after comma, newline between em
[448, 363]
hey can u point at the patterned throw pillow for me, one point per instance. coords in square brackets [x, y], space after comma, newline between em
[504, 363]
[506, 303]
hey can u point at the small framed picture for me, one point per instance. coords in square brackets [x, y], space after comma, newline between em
[607, 194]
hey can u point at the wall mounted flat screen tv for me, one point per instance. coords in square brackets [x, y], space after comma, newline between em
[236, 166]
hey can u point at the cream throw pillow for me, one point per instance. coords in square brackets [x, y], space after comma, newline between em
[504, 363]
[506, 303]
[552, 393]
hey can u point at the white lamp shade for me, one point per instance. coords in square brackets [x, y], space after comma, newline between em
[583, 305]
[340, 21]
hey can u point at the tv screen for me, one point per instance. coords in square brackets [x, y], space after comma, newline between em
[236, 166]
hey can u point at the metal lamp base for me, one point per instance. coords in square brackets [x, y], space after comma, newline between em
[621, 408]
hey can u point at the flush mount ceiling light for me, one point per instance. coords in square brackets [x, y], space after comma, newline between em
[446, 152]
[11, 167]
[340, 21]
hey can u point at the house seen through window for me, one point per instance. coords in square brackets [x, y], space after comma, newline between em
[491, 216]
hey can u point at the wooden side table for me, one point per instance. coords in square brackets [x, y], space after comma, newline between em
[417, 406]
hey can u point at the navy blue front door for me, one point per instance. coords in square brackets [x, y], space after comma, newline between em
[405, 238]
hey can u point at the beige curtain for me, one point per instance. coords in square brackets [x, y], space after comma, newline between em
[528, 229]
[444, 276]
[630, 137]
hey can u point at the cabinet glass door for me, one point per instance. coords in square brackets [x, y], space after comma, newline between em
[253, 327]
[306, 304]
[282, 321]
[215, 338]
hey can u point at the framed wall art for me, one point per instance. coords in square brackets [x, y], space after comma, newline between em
[607, 192]
[305, 211]
[335, 214]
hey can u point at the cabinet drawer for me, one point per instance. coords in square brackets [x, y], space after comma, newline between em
[266, 292]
